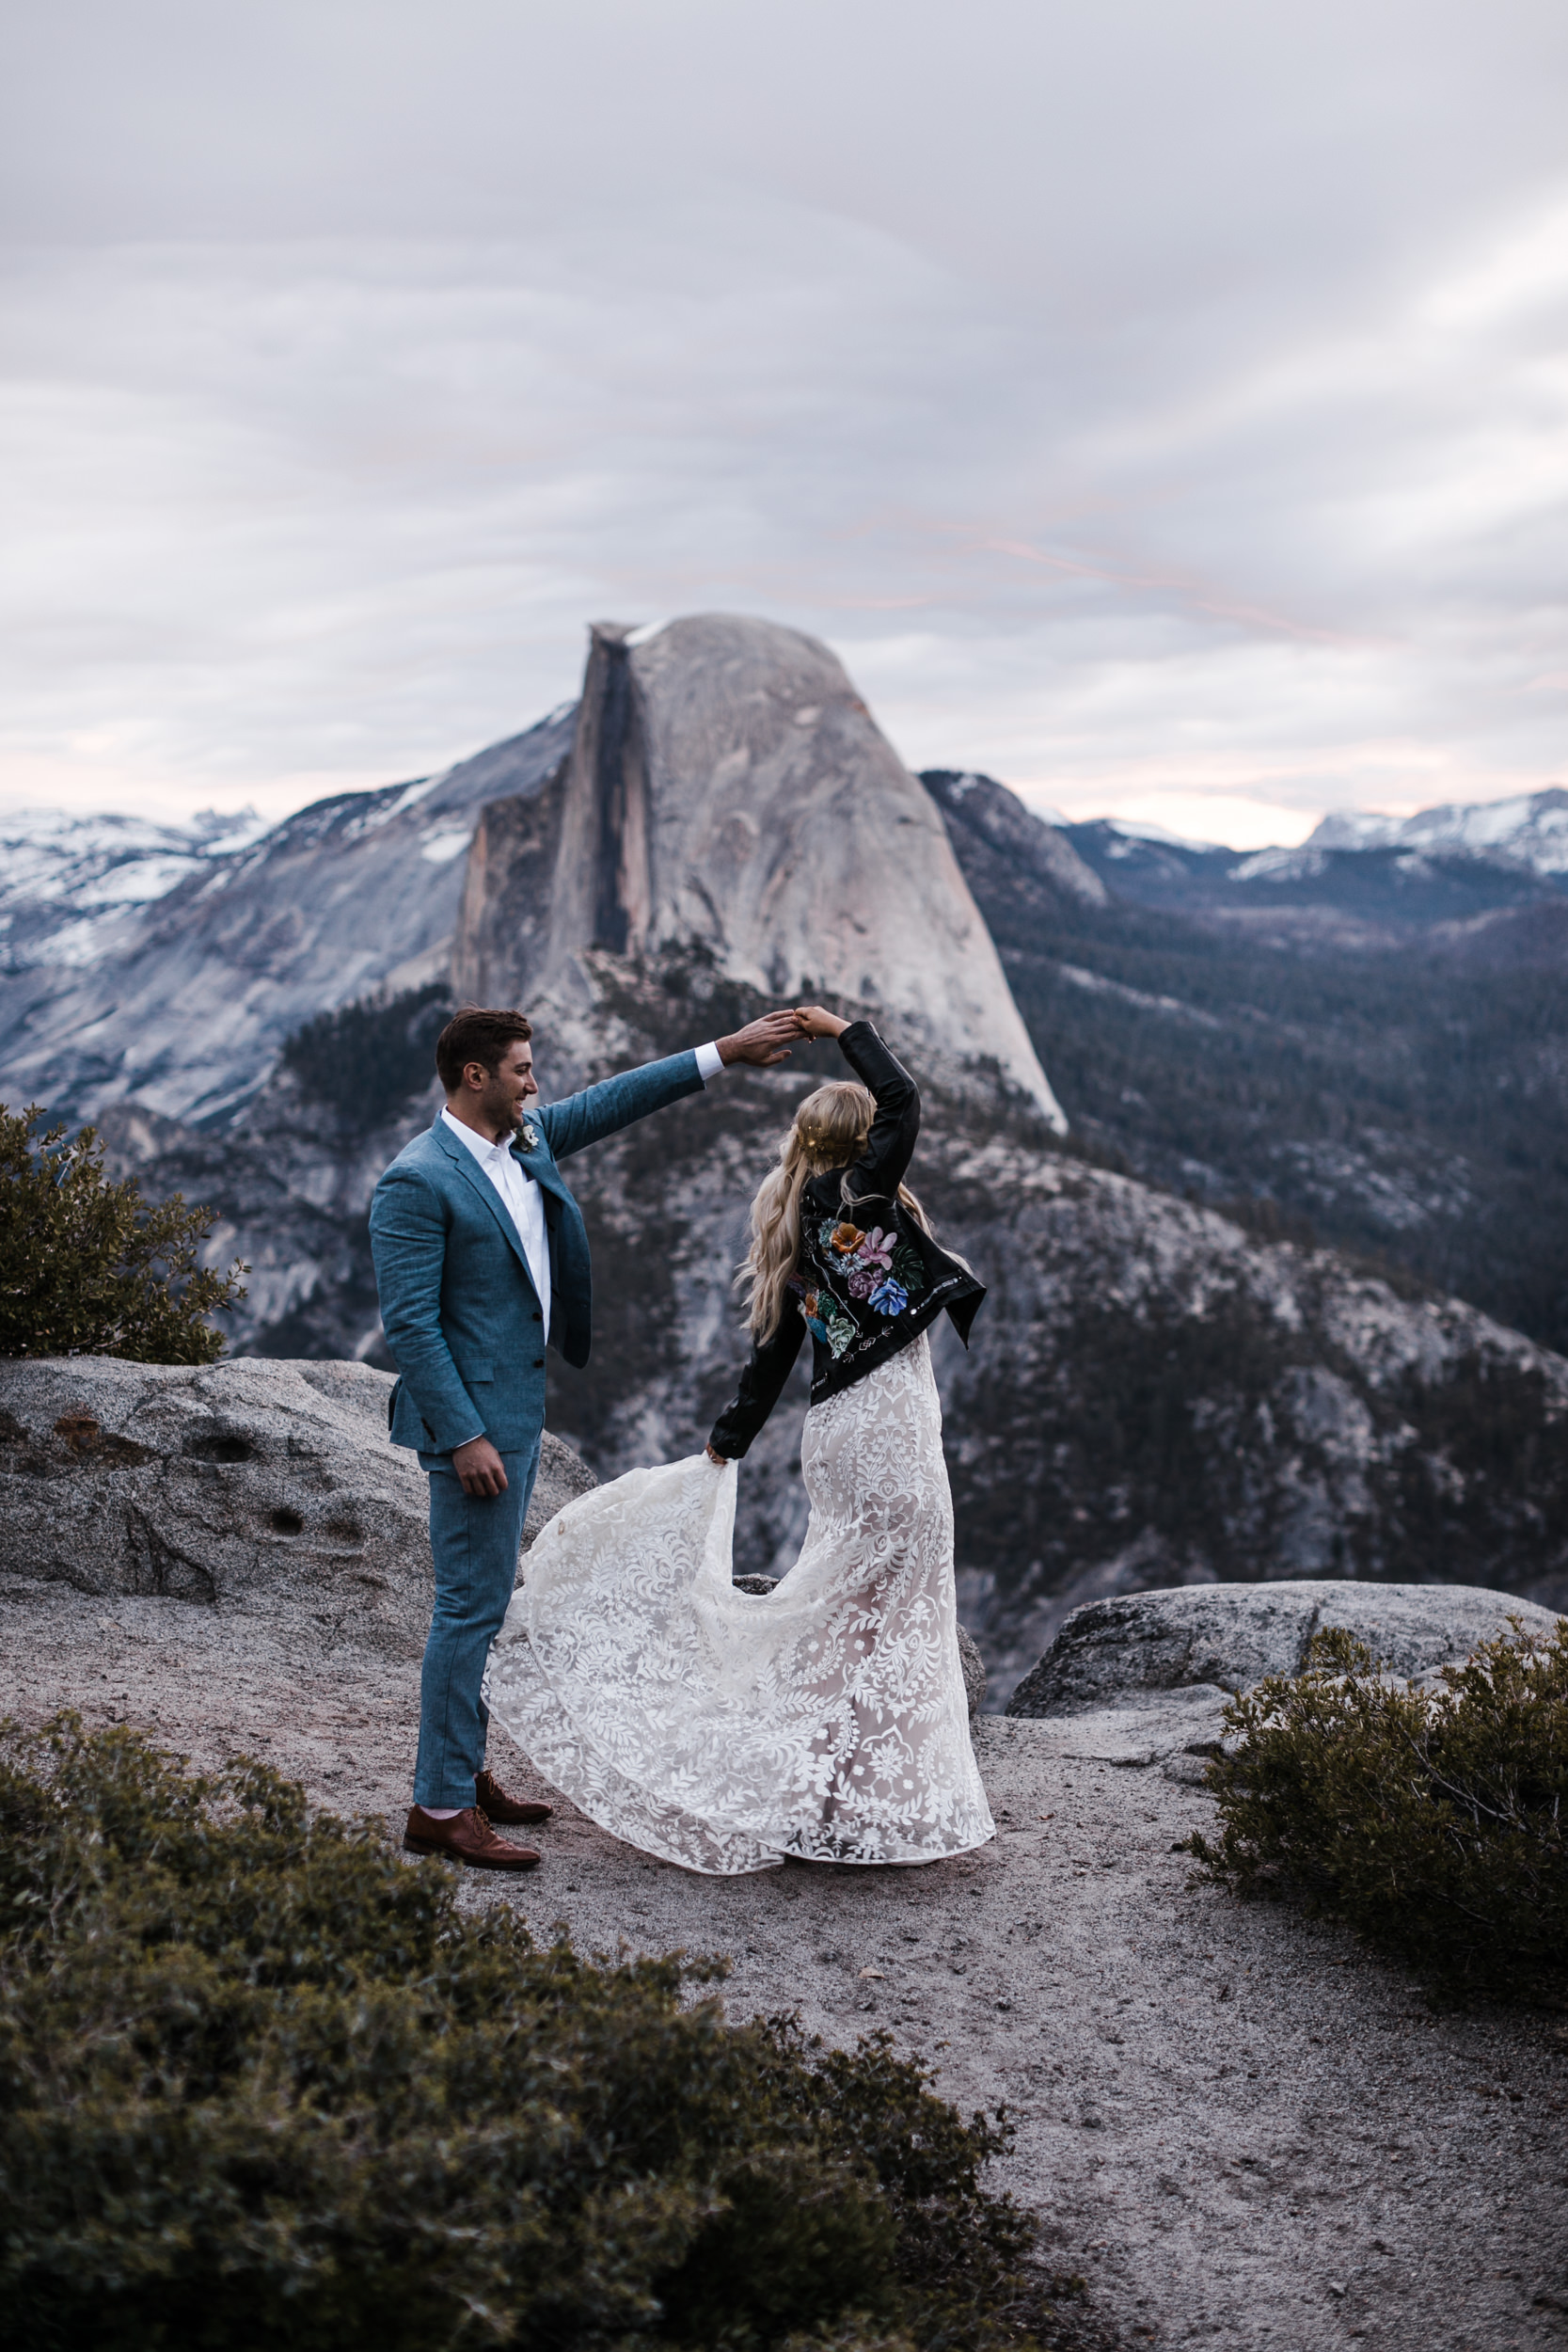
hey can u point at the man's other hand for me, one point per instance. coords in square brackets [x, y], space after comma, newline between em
[479, 1468]
[763, 1041]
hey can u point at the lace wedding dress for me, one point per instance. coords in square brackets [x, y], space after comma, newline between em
[726, 1730]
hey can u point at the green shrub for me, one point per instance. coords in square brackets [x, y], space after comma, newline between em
[264, 2084]
[88, 1267]
[1431, 1819]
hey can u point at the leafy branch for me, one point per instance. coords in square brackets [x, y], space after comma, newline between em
[88, 1267]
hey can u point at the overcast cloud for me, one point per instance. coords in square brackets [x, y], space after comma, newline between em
[1163, 403]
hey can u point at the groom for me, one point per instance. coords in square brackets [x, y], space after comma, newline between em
[480, 1257]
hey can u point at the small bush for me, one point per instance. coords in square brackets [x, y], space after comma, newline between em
[88, 1267]
[262, 2083]
[1431, 1819]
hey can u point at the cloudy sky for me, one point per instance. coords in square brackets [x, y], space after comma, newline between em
[1161, 404]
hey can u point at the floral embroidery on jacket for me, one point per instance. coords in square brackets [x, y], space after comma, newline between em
[908, 1268]
[877, 1269]
[825, 1317]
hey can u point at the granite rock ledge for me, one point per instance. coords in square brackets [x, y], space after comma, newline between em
[254, 1486]
[1141, 1648]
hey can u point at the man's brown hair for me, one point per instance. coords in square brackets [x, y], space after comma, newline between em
[477, 1033]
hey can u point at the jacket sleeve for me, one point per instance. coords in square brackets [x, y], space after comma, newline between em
[601, 1110]
[408, 1243]
[761, 1386]
[880, 1168]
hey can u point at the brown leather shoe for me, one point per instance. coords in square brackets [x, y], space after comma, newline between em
[466, 1837]
[495, 1806]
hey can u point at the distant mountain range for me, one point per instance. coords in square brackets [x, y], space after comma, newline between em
[1312, 1093]
[166, 968]
[1372, 1045]
[1359, 882]
[1530, 830]
[725, 785]
[67, 881]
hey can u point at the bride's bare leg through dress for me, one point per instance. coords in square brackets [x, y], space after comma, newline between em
[729, 1731]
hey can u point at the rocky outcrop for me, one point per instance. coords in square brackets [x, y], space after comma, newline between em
[728, 792]
[250, 1487]
[262, 1488]
[1203, 2090]
[1003, 846]
[1200, 1642]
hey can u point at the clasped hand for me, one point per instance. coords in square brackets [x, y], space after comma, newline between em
[765, 1041]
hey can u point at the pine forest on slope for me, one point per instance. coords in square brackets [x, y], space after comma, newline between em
[1330, 1043]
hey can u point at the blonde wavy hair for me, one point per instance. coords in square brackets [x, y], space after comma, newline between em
[831, 1129]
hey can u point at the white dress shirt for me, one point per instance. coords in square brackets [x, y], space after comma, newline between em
[520, 1195]
[522, 1201]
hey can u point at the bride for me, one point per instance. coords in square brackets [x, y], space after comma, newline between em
[825, 1721]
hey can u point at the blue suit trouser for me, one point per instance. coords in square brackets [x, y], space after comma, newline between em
[473, 1542]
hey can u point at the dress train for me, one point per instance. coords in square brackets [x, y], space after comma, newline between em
[728, 1731]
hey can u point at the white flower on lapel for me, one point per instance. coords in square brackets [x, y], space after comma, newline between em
[530, 1135]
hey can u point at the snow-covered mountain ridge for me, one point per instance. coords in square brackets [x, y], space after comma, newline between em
[64, 878]
[1529, 828]
[167, 970]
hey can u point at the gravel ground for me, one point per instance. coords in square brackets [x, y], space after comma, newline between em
[1238, 2130]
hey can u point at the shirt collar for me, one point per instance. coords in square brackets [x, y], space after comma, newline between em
[481, 1146]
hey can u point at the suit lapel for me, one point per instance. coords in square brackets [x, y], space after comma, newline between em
[467, 1167]
[541, 1167]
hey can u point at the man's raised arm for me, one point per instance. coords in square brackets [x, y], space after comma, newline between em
[615, 1103]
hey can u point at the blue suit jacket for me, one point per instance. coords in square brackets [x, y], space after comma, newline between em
[458, 1304]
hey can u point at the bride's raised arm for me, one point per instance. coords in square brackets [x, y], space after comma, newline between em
[881, 1167]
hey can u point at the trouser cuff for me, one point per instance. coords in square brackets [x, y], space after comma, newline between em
[454, 1793]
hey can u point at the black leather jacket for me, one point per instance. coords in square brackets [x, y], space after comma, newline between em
[869, 1279]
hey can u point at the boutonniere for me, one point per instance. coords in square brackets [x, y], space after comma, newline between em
[528, 1135]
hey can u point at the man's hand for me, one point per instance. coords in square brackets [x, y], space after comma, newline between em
[479, 1468]
[763, 1041]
